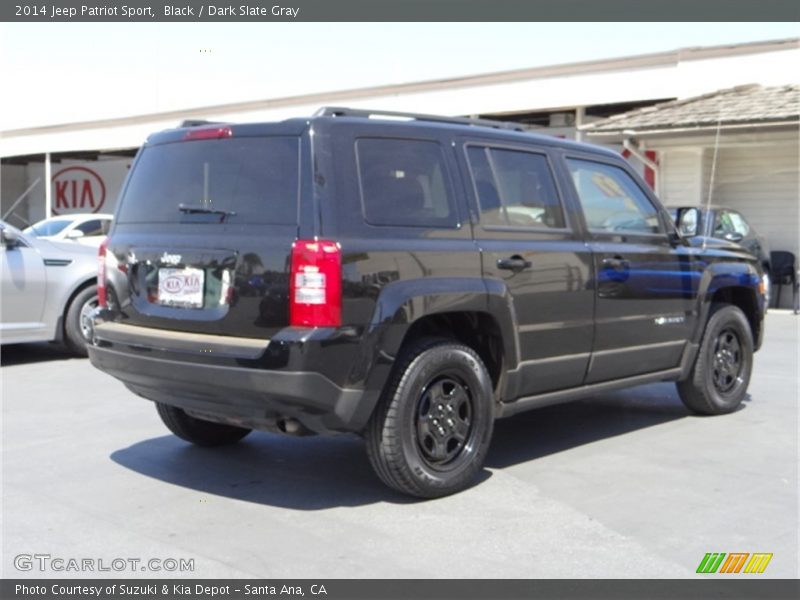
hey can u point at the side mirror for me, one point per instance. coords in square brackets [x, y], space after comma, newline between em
[74, 234]
[8, 238]
[733, 236]
[688, 222]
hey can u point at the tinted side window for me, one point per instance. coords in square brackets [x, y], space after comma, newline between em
[404, 182]
[611, 199]
[257, 178]
[515, 188]
[90, 228]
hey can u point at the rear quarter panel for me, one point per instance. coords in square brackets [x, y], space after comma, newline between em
[64, 281]
[392, 275]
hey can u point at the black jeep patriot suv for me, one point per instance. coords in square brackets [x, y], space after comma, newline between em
[410, 280]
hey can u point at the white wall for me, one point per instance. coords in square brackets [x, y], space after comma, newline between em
[756, 173]
[680, 176]
[762, 183]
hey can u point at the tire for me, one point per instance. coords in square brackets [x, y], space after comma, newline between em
[430, 432]
[198, 431]
[76, 331]
[719, 378]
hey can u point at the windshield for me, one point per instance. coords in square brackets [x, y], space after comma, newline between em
[47, 227]
[238, 180]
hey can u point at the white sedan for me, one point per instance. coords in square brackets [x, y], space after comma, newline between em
[47, 290]
[89, 229]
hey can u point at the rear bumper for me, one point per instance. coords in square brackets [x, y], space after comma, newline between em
[249, 396]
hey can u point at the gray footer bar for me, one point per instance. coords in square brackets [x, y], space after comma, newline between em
[712, 586]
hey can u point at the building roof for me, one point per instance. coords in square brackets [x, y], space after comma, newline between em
[640, 78]
[742, 106]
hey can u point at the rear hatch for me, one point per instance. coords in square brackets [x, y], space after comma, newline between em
[203, 235]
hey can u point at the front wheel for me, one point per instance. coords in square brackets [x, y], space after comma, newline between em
[430, 433]
[719, 378]
[197, 431]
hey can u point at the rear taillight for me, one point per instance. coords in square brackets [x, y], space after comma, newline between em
[315, 284]
[102, 296]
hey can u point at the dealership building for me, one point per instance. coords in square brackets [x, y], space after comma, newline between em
[711, 123]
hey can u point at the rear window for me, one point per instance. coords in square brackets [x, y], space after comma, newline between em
[94, 227]
[404, 183]
[256, 178]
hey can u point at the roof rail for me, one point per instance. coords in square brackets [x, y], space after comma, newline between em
[338, 111]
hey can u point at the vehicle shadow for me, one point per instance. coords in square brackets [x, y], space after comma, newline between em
[20, 354]
[553, 429]
[315, 473]
[309, 473]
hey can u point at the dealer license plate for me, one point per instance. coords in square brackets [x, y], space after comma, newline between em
[181, 287]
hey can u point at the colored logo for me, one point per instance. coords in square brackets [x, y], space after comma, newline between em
[173, 284]
[78, 190]
[736, 562]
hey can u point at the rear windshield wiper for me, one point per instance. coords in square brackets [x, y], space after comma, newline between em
[196, 209]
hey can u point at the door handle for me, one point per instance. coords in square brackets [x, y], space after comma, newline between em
[617, 263]
[514, 263]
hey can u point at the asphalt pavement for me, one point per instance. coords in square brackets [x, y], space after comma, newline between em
[624, 485]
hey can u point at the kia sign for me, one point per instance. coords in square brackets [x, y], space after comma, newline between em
[77, 190]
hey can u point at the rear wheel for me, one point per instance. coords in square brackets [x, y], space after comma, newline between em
[77, 327]
[721, 372]
[198, 431]
[430, 433]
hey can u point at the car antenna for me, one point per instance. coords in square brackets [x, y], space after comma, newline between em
[713, 173]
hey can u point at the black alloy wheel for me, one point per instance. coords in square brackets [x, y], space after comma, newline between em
[718, 380]
[430, 432]
[444, 420]
[728, 363]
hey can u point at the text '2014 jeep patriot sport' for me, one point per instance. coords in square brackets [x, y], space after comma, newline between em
[408, 280]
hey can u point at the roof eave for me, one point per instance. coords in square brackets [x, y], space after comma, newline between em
[687, 129]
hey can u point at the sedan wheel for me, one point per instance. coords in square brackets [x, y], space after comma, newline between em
[77, 323]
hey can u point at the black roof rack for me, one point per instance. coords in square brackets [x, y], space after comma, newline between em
[198, 123]
[337, 111]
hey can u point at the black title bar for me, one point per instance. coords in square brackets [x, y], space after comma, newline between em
[399, 10]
